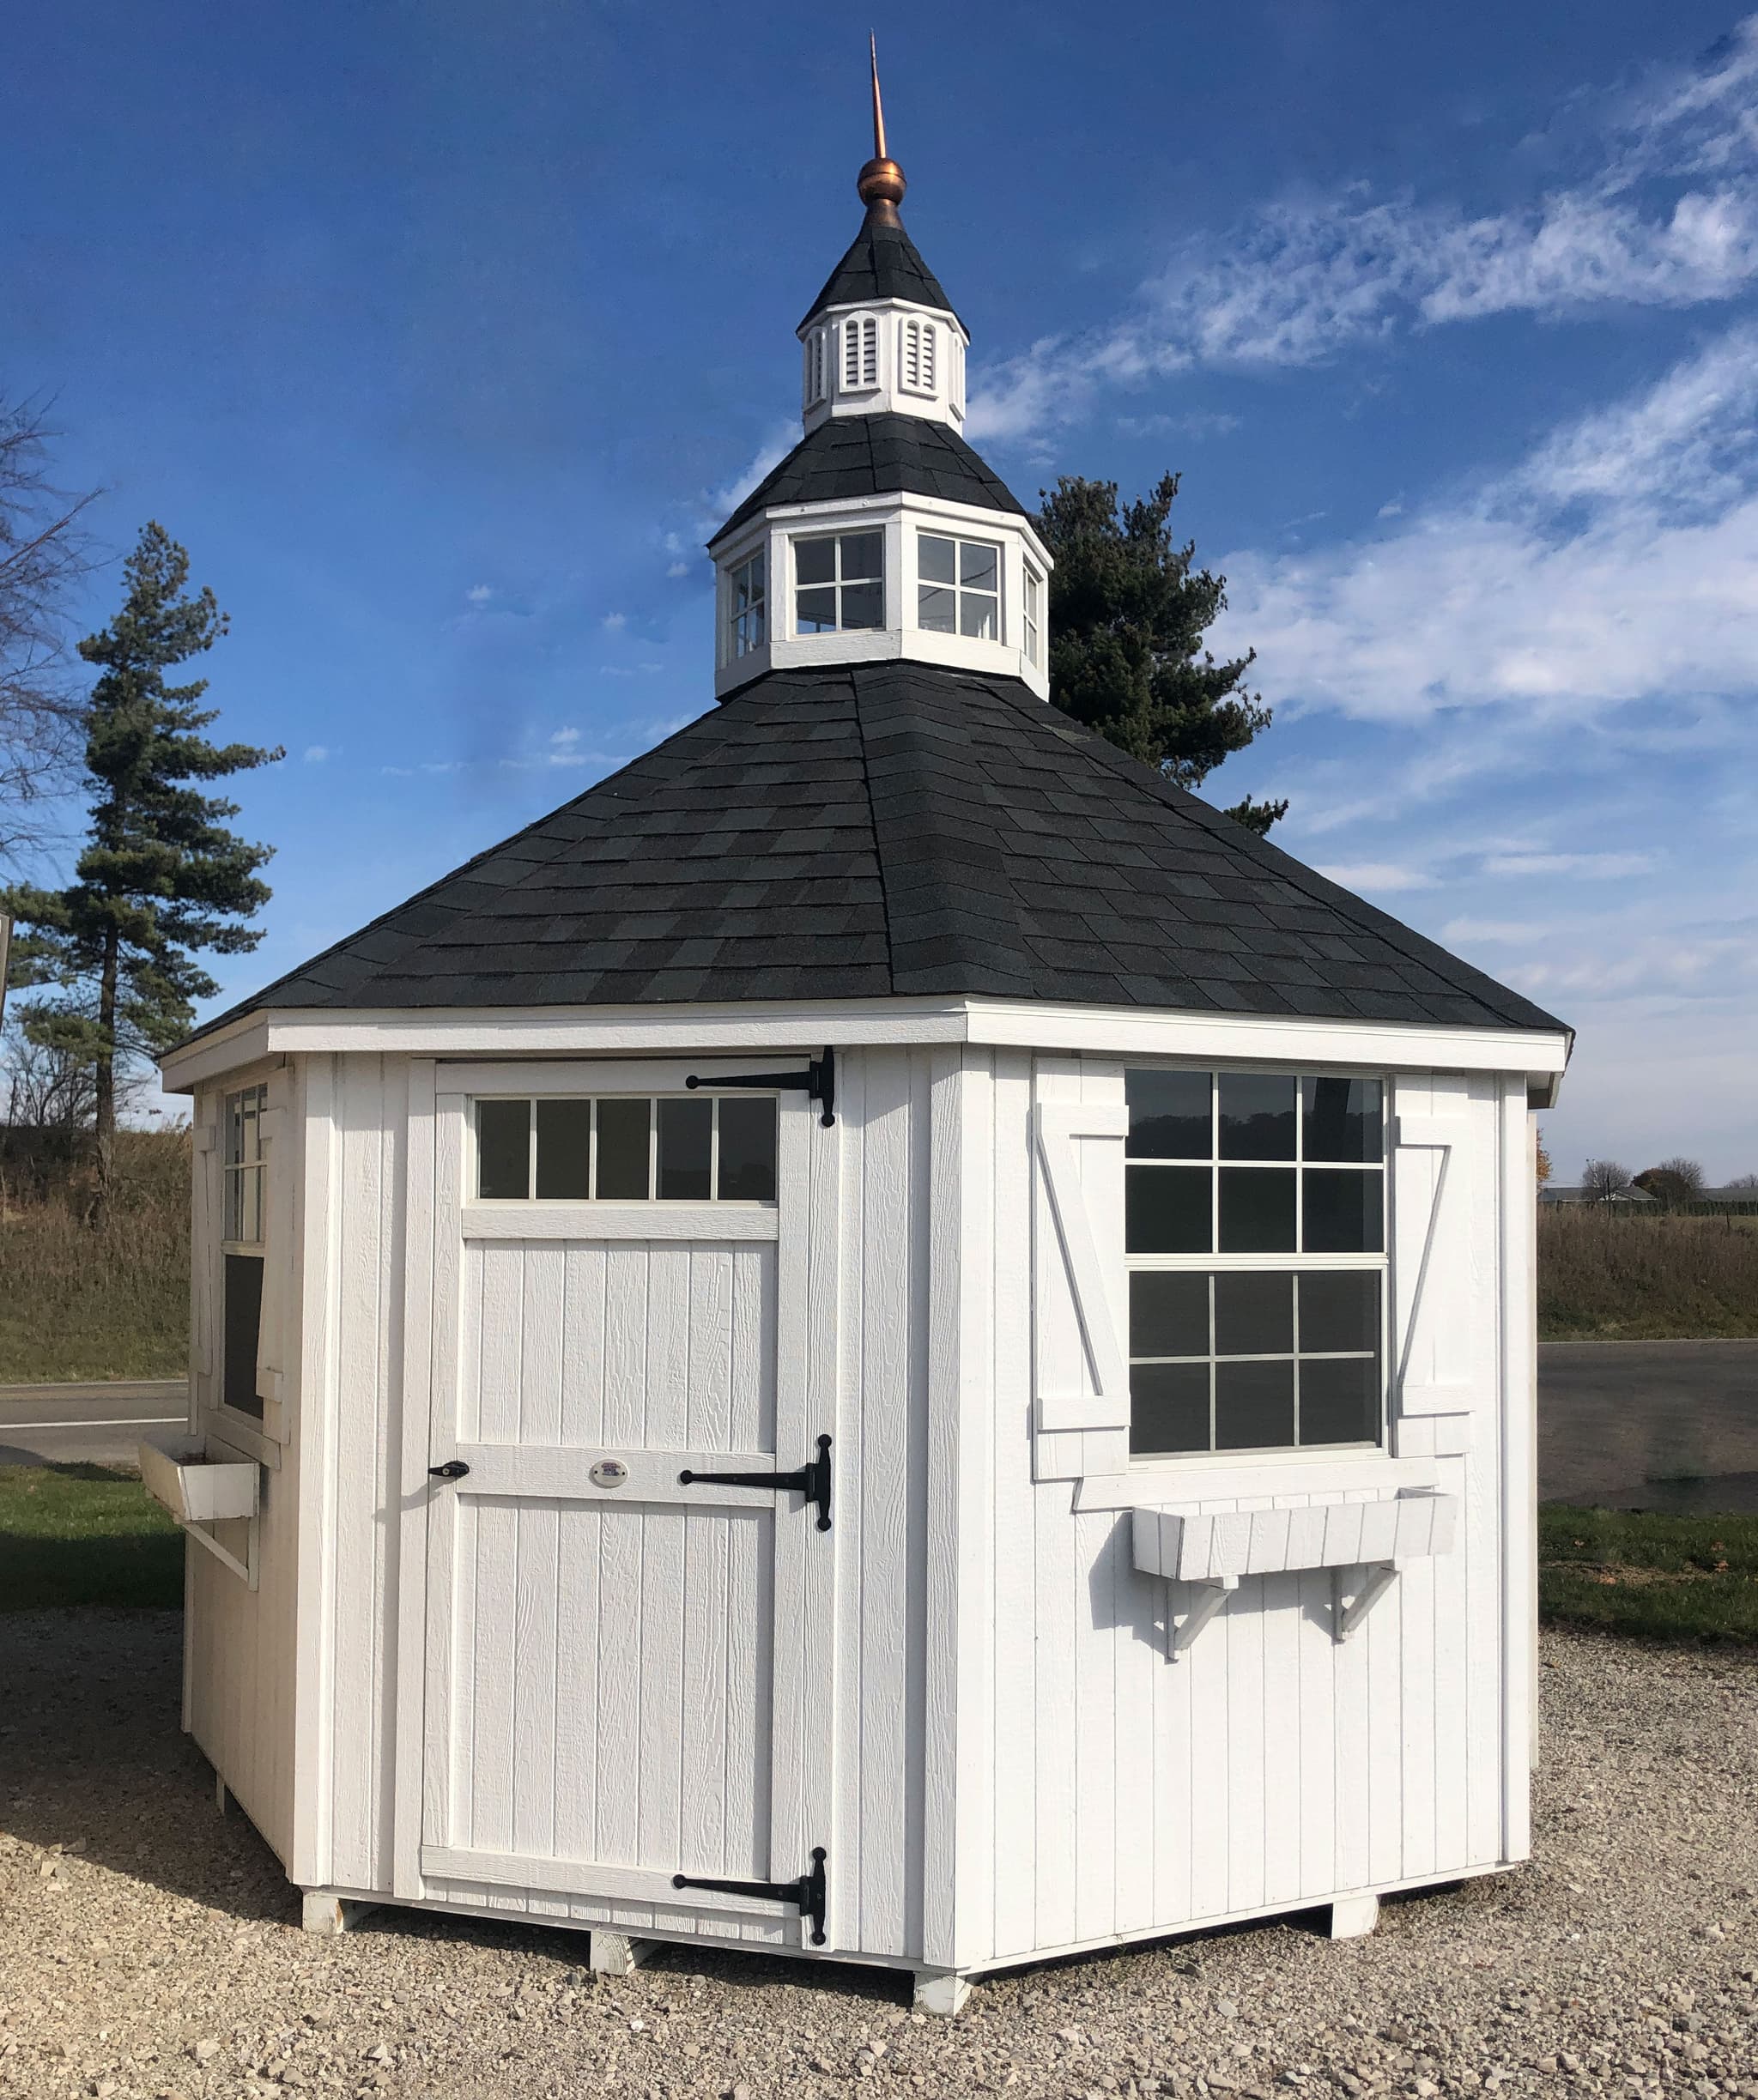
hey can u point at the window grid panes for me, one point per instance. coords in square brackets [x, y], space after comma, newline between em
[838, 582]
[243, 1166]
[746, 608]
[958, 589]
[1255, 1236]
[622, 1148]
[1034, 598]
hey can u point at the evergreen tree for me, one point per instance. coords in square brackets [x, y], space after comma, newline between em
[1128, 611]
[161, 876]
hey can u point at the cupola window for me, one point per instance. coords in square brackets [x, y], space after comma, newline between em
[1034, 616]
[918, 342]
[746, 609]
[860, 353]
[959, 588]
[839, 582]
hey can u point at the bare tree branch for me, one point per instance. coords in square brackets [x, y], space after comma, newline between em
[46, 554]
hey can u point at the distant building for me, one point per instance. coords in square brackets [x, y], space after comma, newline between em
[1554, 1192]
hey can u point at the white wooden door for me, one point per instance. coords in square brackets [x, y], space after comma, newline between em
[620, 1682]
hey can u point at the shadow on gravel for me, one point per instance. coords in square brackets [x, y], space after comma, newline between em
[93, 1758]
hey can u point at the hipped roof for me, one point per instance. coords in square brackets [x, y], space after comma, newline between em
[892, 829]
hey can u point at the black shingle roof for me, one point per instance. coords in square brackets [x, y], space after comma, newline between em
[876, 455]
[888, 829]
[882, 264]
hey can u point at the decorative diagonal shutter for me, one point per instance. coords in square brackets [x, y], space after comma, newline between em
[1432, 1282]
[1081, 1362]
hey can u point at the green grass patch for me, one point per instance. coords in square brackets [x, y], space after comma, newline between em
[1612, 1274]
[1669, 1578]
[85, 1535]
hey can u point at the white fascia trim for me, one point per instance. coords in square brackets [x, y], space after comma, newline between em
[861, 509]
[540, 1031]
[1264, 1039]
[884, 306]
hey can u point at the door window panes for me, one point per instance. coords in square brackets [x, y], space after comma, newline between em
[503, 1149]
[838, 582]
[685, 1159]
[564, 1151]
[618, 1148]
[958, 587]
[1254, 1231]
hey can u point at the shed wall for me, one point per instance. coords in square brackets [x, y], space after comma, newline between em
[1118, 1794]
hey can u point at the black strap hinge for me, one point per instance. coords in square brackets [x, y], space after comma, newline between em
[818, 1080]
[812, 1480]
[808, 1893]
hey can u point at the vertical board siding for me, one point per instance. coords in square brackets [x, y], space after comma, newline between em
[1271, 1764]
[239, 1670]
[364, 1462]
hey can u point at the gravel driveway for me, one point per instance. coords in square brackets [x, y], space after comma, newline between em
[147, 1948]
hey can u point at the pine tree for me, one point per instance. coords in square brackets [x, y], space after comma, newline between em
[1128, 611]
[161, 877]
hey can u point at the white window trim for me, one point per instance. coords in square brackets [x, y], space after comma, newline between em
[857, 335]
[918, 346]
[837, 533]
[961, 592]
[757, 558]
[1277, 1263]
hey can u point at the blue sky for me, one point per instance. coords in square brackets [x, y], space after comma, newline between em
[443, 333]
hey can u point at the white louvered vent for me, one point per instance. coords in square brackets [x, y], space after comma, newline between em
[918, 359]
[815, 376]
[860, 352]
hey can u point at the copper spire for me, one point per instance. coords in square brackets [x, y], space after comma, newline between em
[880, 184]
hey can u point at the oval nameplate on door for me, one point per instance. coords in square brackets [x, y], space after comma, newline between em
[608, 1473]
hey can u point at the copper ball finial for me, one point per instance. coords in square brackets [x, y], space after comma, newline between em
[881, 182]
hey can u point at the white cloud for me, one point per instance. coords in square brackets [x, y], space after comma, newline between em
[615, 621]
[566, 736]
[1597, 867]
[1383, 875]
[480, 594]
[715, 505]
[1617, 565]
[316, 753]
[1667, 217]
[679, 568]
[1492, 933]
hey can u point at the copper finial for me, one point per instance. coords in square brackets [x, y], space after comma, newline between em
[880, 184]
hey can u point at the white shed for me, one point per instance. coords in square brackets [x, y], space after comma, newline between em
[885, 1338]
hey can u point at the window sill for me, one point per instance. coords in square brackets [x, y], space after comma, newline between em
[1187, 1485]
[244, 1433]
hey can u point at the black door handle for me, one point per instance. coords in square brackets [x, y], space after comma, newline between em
[453, 1469]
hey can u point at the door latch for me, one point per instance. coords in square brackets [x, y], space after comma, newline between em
[453, 1469]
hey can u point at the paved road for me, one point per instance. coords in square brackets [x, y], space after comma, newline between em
[1649, 1425]
[100, 1424]
[1630, 1425]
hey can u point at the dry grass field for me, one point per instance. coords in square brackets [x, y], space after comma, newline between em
[111, 1302]
[1606, 1275]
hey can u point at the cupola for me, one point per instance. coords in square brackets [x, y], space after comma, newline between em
[881, 533]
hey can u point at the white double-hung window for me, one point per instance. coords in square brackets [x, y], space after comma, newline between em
[1255, 1238]
[746, 609]
[838, 582]
[1034, 616]
[244, 1171]
[958, 590]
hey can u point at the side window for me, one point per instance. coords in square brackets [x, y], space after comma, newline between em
[243, 1173]
[958, 588]
[1254, 1235]
[746, 609]
[838, 582]
[1034, 616]
[622, 1149]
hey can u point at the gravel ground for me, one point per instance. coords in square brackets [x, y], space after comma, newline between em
[147, 1950]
